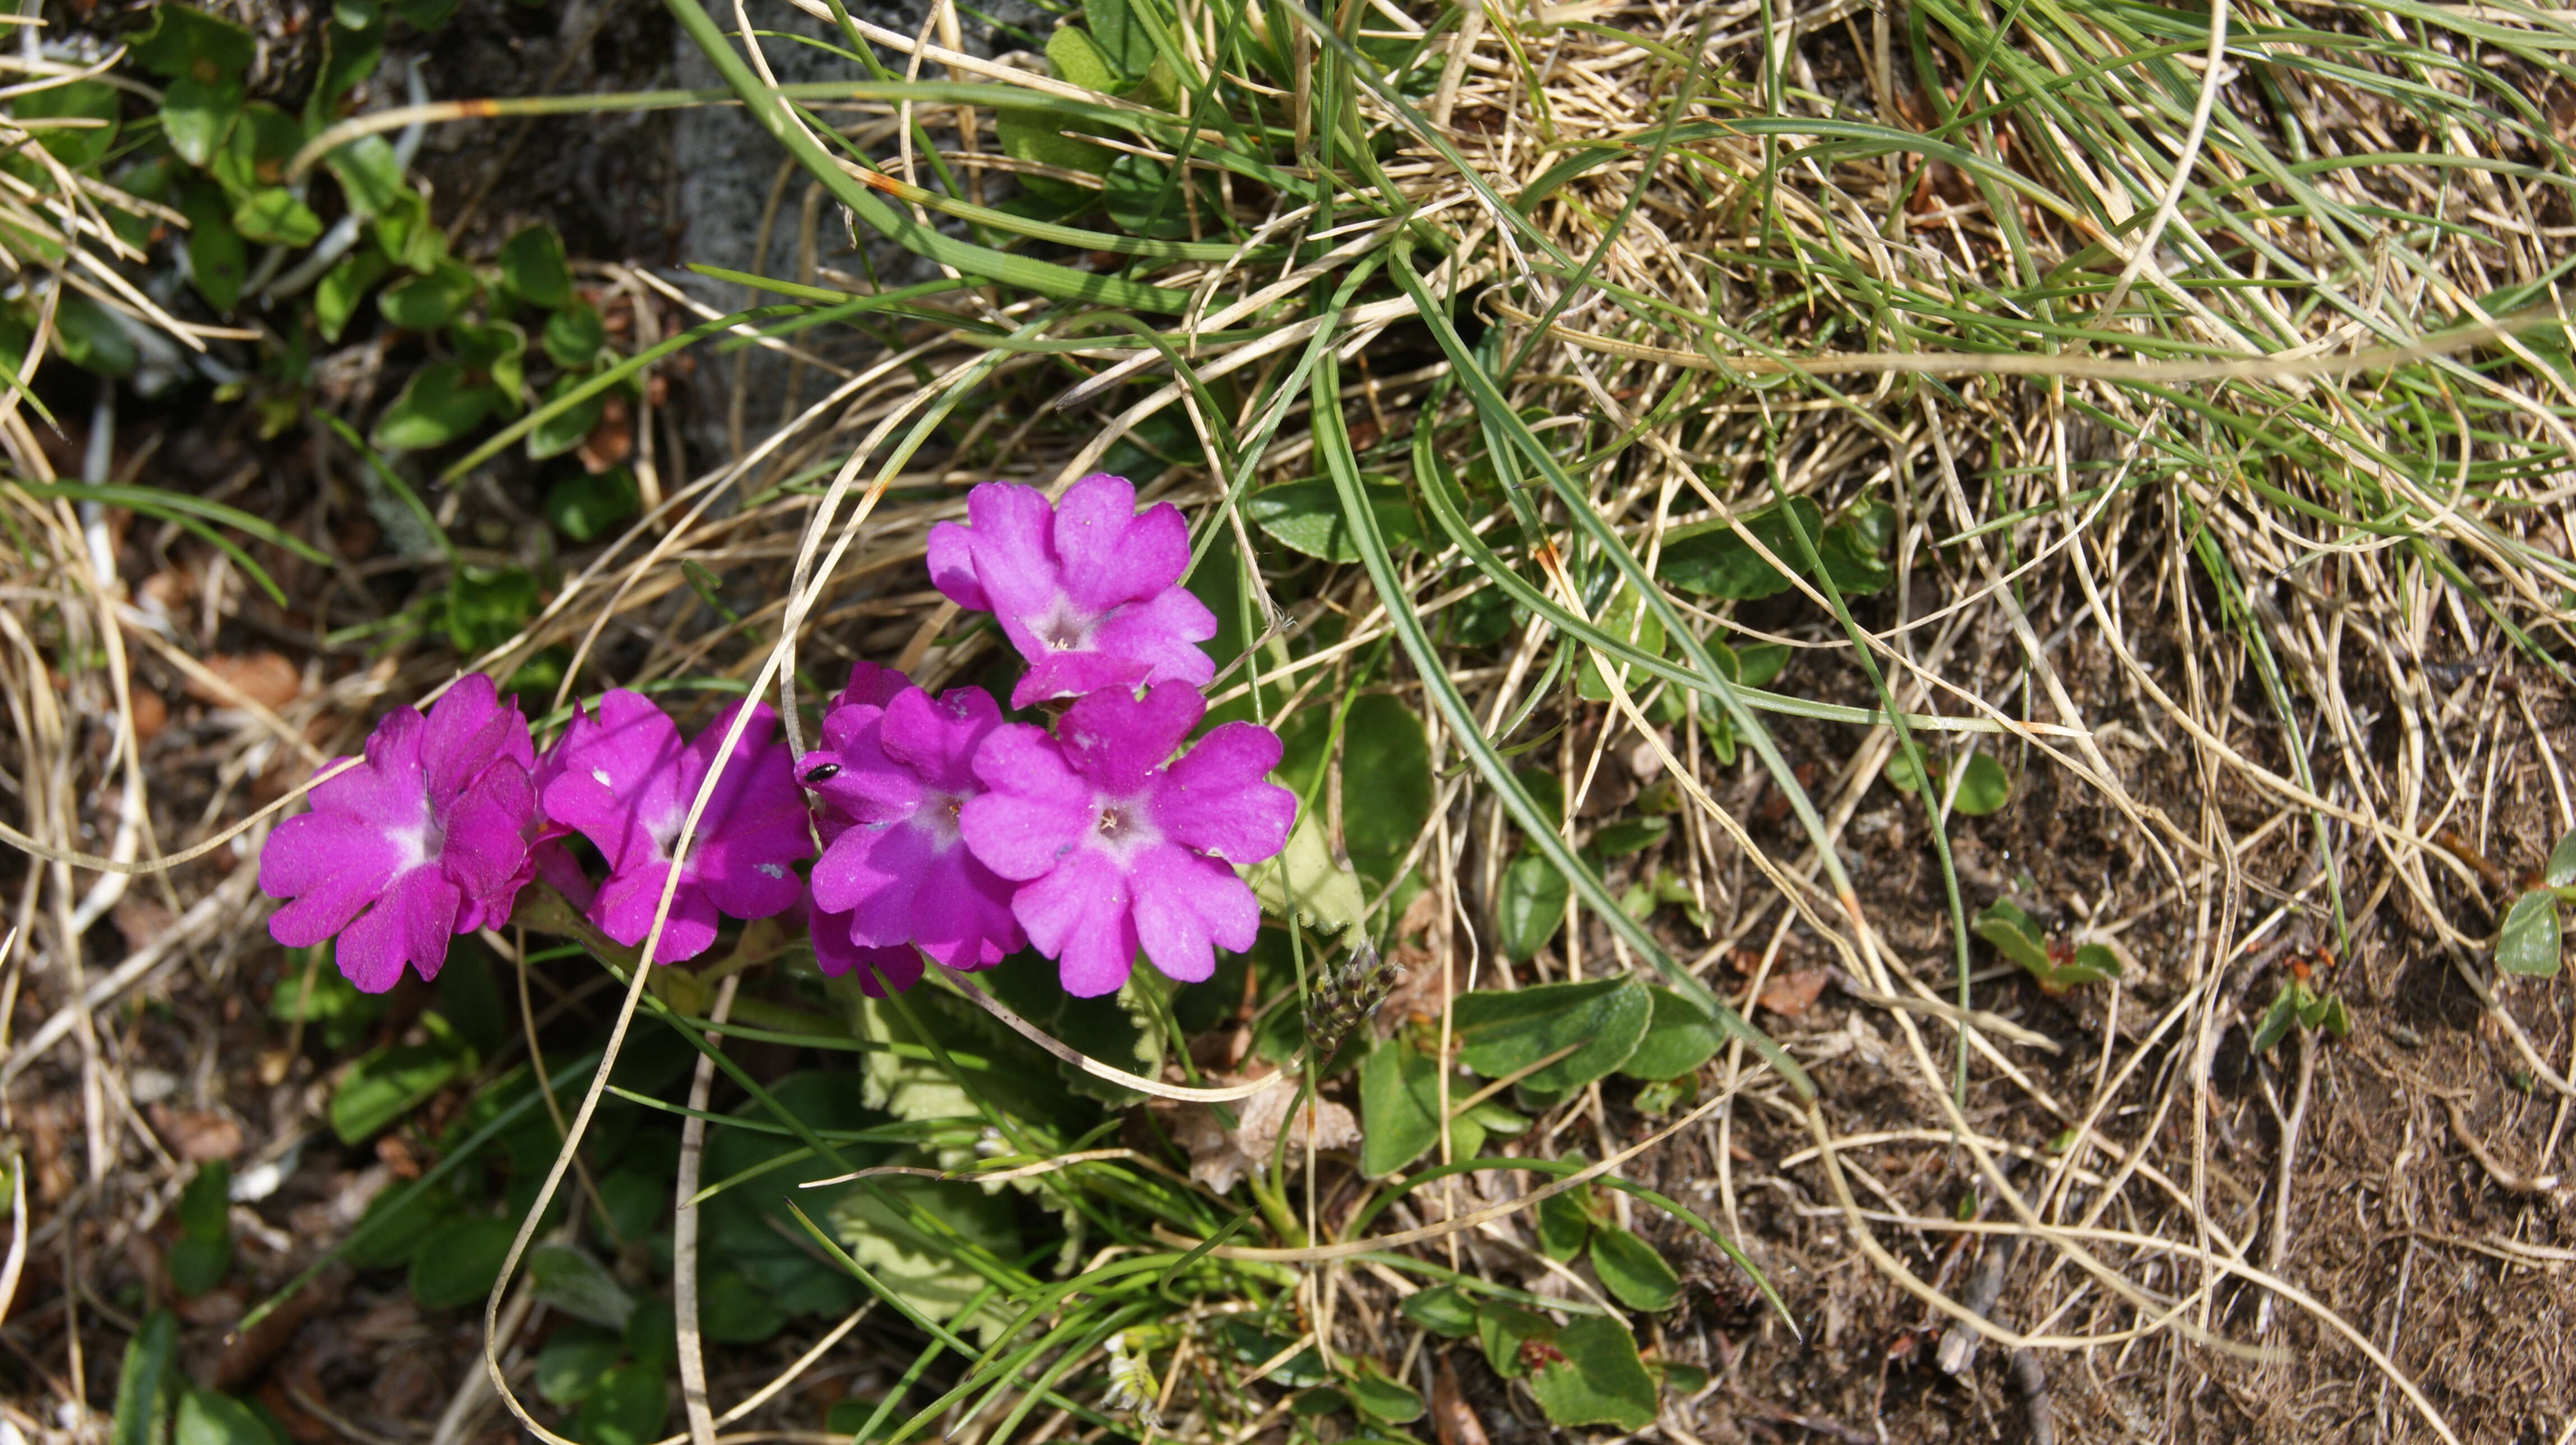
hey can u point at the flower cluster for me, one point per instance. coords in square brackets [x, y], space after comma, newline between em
[946, 831]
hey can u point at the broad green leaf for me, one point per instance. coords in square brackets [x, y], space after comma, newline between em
[78, 148]
[493, 349]
[2560, 870]
[1399, 1107]
[1500, 1033]
[437, 406]
[585, 508]
[629, 1407]
[2335, 1019]
[206, 1418]
[407, 233]
[1626, 617]
[423, 15]
[349, 55]
[197, 115]
[1039, 138]
[1712, 558]
[561, 431]
[426, 303]
[1595, 1378]
[388, 1083]
[255, 150]
[370, 175]
[2014, 936]
[1074, 56]
[2277, 1020]
[1563, 1222]
[573, 1282]
[1678, 1039]
[1121, 1029]
[1532, 907]
[925, 1270]
[273, 217]
[1633, 836]
[1380, 1398]
[1141, 198]
[1546, 792]
[185, 41]
[1118, 37]
[1327, 894]
[458, 1262]
[203, 1253]
[1442, 1309]
[734, 1311]
[1386, 784]
[1307, 517]
[2528, 943]
[143, 1386]
[1757, 665]
[336, 297]
[1983, 787]
[573, 1362]
[394, 1226]
[218, 263]
[532, 266]
[1631, 1270]
[1504, 1330]
[486, 606]
[90, 338]
[573, 337]
[2092, 963]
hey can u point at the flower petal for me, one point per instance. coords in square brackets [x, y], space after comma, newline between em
[871, 873]
[618, 776]
[1116, 740]
[1217, 800]
[951, 555]
[1077, 915]
[1110, 554]
[411, 924]
[936, 740]
[332, 865]
[1162, 636]
[624, 911]
[1184, 905]
[1053, 675]
[961, 913]
[1037, 810]
[871, 685]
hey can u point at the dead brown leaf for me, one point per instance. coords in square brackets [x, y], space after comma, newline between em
[266, 678]
[1791, 994]
[196, 1136]
[1220, 1158]
[1453, 1420]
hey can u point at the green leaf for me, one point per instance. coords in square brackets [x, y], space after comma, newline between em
[573, 1282]
[1386, 784]
[734, 1311]
[1546, 793]
[1503, 1329]
[1327, 893]
[197, 115]
[1533, 905]
[2277, 1020]
[1120, 39]
[218, 263]
[532, 266]
[573, 337]
[1306, 517]
[459, 1260]
[184, 41]
[77, 148]
[1631, 1270]
[426, 303]
[422, 14]
[1564, 1221]
[1678, 1039]
[1141, 198]
[487, 606]
[90, 338]
[1713, 559]
[1633, 836]
[349, 56]
[438, 405]
[561, 431]
[2335, 1019]
[206, 1418]
[1399, 1107]
[1499, 1033]
[203, 1253]
[2560, 870]
[342, 287]
[1757, 665]
[1983, 787]
[2014, 936]
[394, 1226]
[925, 1270]
[492, 349]
[255, 150]
[572, 1364]
[2528, 943]
[370, 175]
[1442, 1309]
[388, 1083]
[1596, 1378]
[273, 217]
[2093, 964]
[629, 1407]
[1073, 56]
[143, 1386]
[585, 508]
[1626, 617]
[1380, 1398]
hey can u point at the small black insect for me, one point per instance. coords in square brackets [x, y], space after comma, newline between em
[822, 774]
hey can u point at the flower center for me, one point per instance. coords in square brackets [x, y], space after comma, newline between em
[424, 841]
[1065, 628]
[937, 816]
[1120, 827]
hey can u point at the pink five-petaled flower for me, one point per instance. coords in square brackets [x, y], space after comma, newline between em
[1112, 849]
[625, 782]
[425, 839]
[1087, 590]
[896, 774]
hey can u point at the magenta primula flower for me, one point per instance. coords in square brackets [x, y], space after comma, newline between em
[425, 839]
[836, 953]
[1087, 590]
[1112, 849]
[897, 775]
[624, 781]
